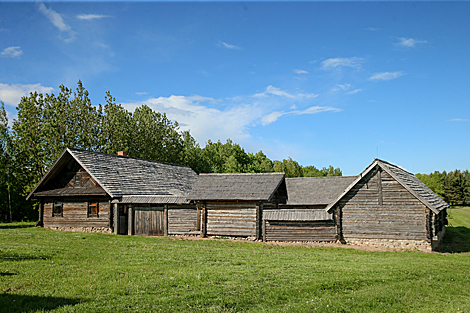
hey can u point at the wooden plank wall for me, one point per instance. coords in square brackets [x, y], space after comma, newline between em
[300, 231]
[182, 221]
[231, 219]
[149, 222]
[393, 213]
[75, 214]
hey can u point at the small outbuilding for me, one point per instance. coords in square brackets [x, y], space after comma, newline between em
[233, 204]
[303, 216]
[388, 206]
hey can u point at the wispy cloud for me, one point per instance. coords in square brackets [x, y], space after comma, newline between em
[57, 20]
[297, 71]
[335, 63]
[228, 46]
[271, 90]
[458, 120]
[141, 93]
[353, 92]
[409, 42]
[90, 17]
[11, 52]
[343, 87]
[272, 117]
[11, 94]
[386, 76]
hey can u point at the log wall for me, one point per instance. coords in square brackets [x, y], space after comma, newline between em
[183, 221]
[382, 208]
[75, 214]
[231, 219]
[300, 231]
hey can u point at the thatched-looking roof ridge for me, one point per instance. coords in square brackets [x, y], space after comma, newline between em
[316, 190]
[236, 186]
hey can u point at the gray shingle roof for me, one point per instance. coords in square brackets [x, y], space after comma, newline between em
[415, 186]
[152, 199]
[121, 175]
[409, 181]
[316, 190]
[297, 215]
[83, 191]
[246, 186]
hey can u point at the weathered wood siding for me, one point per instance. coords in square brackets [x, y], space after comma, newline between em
[300, 231]
[231, 219]
[182, 221]
[75, 214]
[382, 209]
[149, 221]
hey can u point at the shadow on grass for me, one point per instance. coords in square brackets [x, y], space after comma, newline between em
[15, 225]
[7, 274]
[456, 240]
[11, 256]
[21, 303]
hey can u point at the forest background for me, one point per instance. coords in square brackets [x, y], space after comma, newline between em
[47, 124]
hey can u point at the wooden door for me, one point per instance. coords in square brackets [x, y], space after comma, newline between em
[149, 221]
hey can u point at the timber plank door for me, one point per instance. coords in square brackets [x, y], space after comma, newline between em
[149, 221]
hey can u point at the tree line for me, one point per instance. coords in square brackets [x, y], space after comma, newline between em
[453, 187]
[49, 123]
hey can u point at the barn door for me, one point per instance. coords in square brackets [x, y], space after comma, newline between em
[149, 221]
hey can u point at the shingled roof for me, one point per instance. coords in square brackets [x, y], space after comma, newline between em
[246, 186]
[409, 181]
[122, 175]
[316, 190]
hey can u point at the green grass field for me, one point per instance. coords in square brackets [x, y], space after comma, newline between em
[50, 271]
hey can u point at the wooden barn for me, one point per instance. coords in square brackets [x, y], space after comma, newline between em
[233, 204]
[303, 217]
[388, 206]
[90, 191]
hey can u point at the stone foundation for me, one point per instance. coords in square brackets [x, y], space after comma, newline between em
[399, 244]
[104, 230]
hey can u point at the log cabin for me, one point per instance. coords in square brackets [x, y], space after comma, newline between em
[303, 216]
[91, 191]
[388, 206]
[232, 204]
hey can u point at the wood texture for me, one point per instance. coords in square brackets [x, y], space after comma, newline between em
[183, 221]
[300, 231]
[232, 219]
[149, 221]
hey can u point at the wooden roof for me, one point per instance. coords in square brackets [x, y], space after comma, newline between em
[122, 175]
[409, 181]
[297, 215]
[232, 187]
[316, 190]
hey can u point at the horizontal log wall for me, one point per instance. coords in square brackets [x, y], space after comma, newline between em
[75, 214]
[300, 231]
[182, 221]
[231, 219]
[393, 213]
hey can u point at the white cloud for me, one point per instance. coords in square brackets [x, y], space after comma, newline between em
[409, 42]
[141, 93]
[458, 120]
[90, 17]
[11, 52]
[57, 20]
[297, 71]
[227, 46]
[272, 117]
[335, 63]
[342, 87]
[353, 92]
[271, 90]
[214, 119]
[11, 94]
[386, 76]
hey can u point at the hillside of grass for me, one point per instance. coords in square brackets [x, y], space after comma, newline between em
[50, 271]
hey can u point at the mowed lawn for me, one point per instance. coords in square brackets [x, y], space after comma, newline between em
[50, 271]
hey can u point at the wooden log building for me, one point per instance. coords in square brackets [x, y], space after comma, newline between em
[384, 205]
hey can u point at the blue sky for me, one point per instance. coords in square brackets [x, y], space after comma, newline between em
[337, 83]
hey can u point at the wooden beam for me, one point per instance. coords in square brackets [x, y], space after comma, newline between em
[116, 219]
[130, 220]
[379, 186]
[165, 216]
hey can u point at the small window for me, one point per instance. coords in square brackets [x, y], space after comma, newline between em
[93, 208]
[57, 208]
